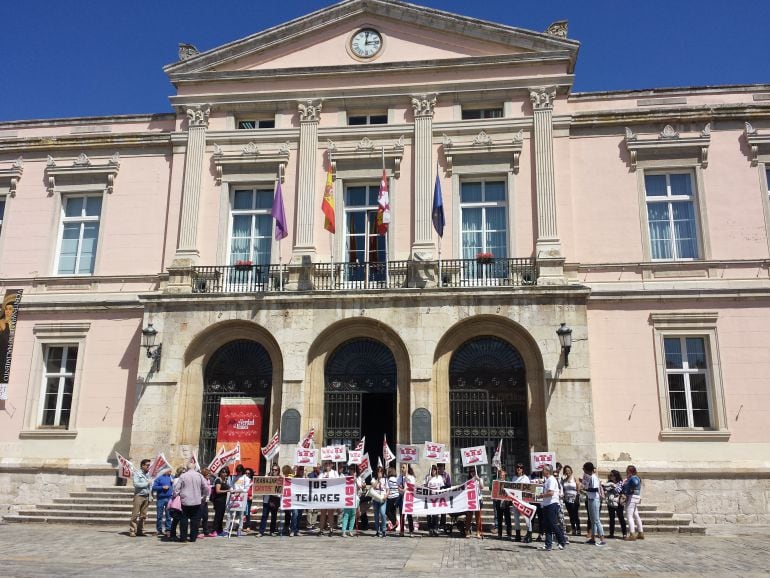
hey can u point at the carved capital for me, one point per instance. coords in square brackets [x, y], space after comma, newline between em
[423, 105]
[542, 97]
[310, 110]
[198, 115]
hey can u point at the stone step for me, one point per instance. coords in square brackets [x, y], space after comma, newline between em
[106, 521]
[111, 489]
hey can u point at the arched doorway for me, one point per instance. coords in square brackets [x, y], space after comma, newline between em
[488, 402]
[360, 383]
[239, 369]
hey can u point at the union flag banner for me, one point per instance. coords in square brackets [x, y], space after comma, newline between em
[327, 204]
[307, 441]
[272, 447]
[125, 468]
[159, 464]
[240, 420]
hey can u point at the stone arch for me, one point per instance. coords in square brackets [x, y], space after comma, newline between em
[519, 338]
[196, 357]
[327, 342]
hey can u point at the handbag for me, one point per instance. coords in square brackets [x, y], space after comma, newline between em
[376, 495]
[175, 503]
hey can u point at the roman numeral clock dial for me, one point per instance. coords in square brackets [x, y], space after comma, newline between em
[366, 43]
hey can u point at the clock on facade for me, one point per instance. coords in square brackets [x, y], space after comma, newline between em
[366, 43]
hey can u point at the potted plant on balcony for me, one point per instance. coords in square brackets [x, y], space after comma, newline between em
[242, 265]
[484, 258]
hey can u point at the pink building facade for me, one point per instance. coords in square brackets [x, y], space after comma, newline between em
[640, 220]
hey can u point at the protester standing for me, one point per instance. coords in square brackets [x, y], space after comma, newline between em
[471, 514]
[161, 488]
[270, 506]
[571, 500]
[613, 490]
[406, 477]
[192, 489]
[632, 489]
[434, 481]
[594, 495]
[447, 484]
[502, 509]
[550, 505]
[380, 487]
[219, 498]
[521, 478]
[205, 531]
[349, 514]
[394, 496]
[326, 517]
[142, 484]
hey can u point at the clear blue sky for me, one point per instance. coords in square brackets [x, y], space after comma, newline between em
[92, 57]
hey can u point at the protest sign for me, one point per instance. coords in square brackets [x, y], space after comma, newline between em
[540, 459]
[355, 457]
[333, 453]
[272, 447]
[475, 456]
[423, 501]
[125, 468]
[158, 465]
[318, 494]
[433, 452]
[267, 485]
[408, 454]
[525, 509]
[303, 457]
[502, 489]
[365, 467]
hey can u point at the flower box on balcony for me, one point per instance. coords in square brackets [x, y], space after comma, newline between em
[243, 265]
[484, 258]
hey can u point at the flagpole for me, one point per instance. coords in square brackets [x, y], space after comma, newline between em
[387, 253]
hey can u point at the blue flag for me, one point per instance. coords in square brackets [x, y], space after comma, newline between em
[438, 208]
[278, 213]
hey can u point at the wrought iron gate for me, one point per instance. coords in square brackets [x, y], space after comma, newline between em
[343, 417]
[488, 402]
[241, 368]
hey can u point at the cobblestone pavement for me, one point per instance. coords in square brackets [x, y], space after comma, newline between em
[70, 550]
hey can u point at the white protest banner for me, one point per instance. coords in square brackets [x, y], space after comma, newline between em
[540, 459]
[307, 441]
[333, 453]
[159, 464]
[236, 501]
[318, 494]
[365, 467]
[475, 456]
[125, 468]
[360, 445]
[408, 454]
[272, 447]
[303, 457]
[525, 509]
[433, 452]
[387, 455]
[422, 501]
[225, 457]
[355, 457]
[497, 459]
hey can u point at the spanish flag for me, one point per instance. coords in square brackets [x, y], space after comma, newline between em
[327, 205]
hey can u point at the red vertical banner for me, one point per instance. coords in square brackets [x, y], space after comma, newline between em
[240, 420]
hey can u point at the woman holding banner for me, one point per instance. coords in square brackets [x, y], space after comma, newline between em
[503, 510]
[406, 477]
[434, 482]
[379, 495]
[349, 514]
[473, 475]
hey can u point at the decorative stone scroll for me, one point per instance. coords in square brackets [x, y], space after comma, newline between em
[187, 51]
[367, 149]
[12, 175]
[669, 142]
[483, 143]
[758, 143]
[81, 167]
[198, 116]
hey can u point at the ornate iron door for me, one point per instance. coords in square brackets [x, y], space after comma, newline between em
[343, 417]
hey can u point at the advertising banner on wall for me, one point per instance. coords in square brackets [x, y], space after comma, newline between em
[240, 420]
[8, 315]
[318, 494]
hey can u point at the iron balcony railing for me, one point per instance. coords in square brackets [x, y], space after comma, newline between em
[450, 273]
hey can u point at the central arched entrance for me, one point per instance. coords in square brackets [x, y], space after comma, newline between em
[488, 402]
[239, 369]
[360, 384]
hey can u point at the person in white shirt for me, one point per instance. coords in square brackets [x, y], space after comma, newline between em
[550, 506]
[594, 493]
[327, 516]
[434, 482]
[521, 478]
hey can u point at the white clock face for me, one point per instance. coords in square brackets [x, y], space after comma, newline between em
[366, 43]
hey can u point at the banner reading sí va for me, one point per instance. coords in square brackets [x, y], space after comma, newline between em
[422, 501]
[240, 420]
[318, 494]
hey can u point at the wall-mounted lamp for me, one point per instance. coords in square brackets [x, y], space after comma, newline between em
[149, 334]
[565, 338]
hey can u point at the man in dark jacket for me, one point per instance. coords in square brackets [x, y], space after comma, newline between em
[162, 490]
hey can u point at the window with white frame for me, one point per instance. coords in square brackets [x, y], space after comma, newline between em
[256, 123]
[481, 113]
[59, 366]
[79, 234]
[483, 217]
[687, 379]
[2, 212]
[363, 244]
[251, 225]
[362, 119]
[671, 211]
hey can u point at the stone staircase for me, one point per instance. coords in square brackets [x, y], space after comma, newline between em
[111, 506]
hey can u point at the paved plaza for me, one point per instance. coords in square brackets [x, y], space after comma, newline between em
[72, 550]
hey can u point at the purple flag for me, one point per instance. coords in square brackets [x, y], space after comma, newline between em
[281, 230]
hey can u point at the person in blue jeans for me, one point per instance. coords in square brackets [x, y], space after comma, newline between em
[380, 485]
[551, 507]
[162, 489]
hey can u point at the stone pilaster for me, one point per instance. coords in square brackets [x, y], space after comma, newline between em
[423, 247]
[187, 245]
[548, 246]
[309, 116]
